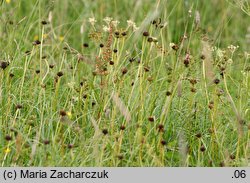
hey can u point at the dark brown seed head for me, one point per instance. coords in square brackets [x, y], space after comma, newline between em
[198, 135]
[216, 81]
[124, 33]
[193, 90]
[36, 42]
[122, 127]
[150, 39]
[37, 71]
[11, 75]
[120, 157]
[211, 105]
[163, 142]
[146, 34]
[193, 81]
[202, 148]
[46, 142]
[161, 128]
[44, 22]
[202, 57]
[175, 47]
[70, 146]
[93, 103]
[60, 74]
[85, 45]
[105, 131]
[151, 118]
[168, 93]
[186, 62]
[115, 50]
[232, 157]
[222, 69]
[117, 33]
[19, 106]
[63, 113]
[8, 138]
[124, 70]
[111, 62]
[101, 45]
[4, 64]
[222, 164]
[51, 66]
[131, 60]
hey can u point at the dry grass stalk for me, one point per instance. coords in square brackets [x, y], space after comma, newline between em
[121, 106]
[207, 52]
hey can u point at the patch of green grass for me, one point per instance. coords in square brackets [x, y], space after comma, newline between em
[167, 86]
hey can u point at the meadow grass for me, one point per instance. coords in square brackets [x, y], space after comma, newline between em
[167, 85]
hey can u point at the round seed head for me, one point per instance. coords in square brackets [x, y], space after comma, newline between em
[105, 131]
[36, 42]
[62, 113]
[124, 33]
[168, 93]
[8, 138]
[19, 106]
[70, 146]
[44, 22]
[146, 34]
[216, 81]
[232, 157]
[120, 157]
[151, 118]
[60, 74]
[46, 142]
[161, 128]
[163, 142]
[85, 45]
[124, 70]
[150, 39]
[198, 135]
[202, 148]
[122, 127]
[4, 64]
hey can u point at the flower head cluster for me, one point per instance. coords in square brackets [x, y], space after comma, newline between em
[92, 21]
[232, 48]
[132, 24]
